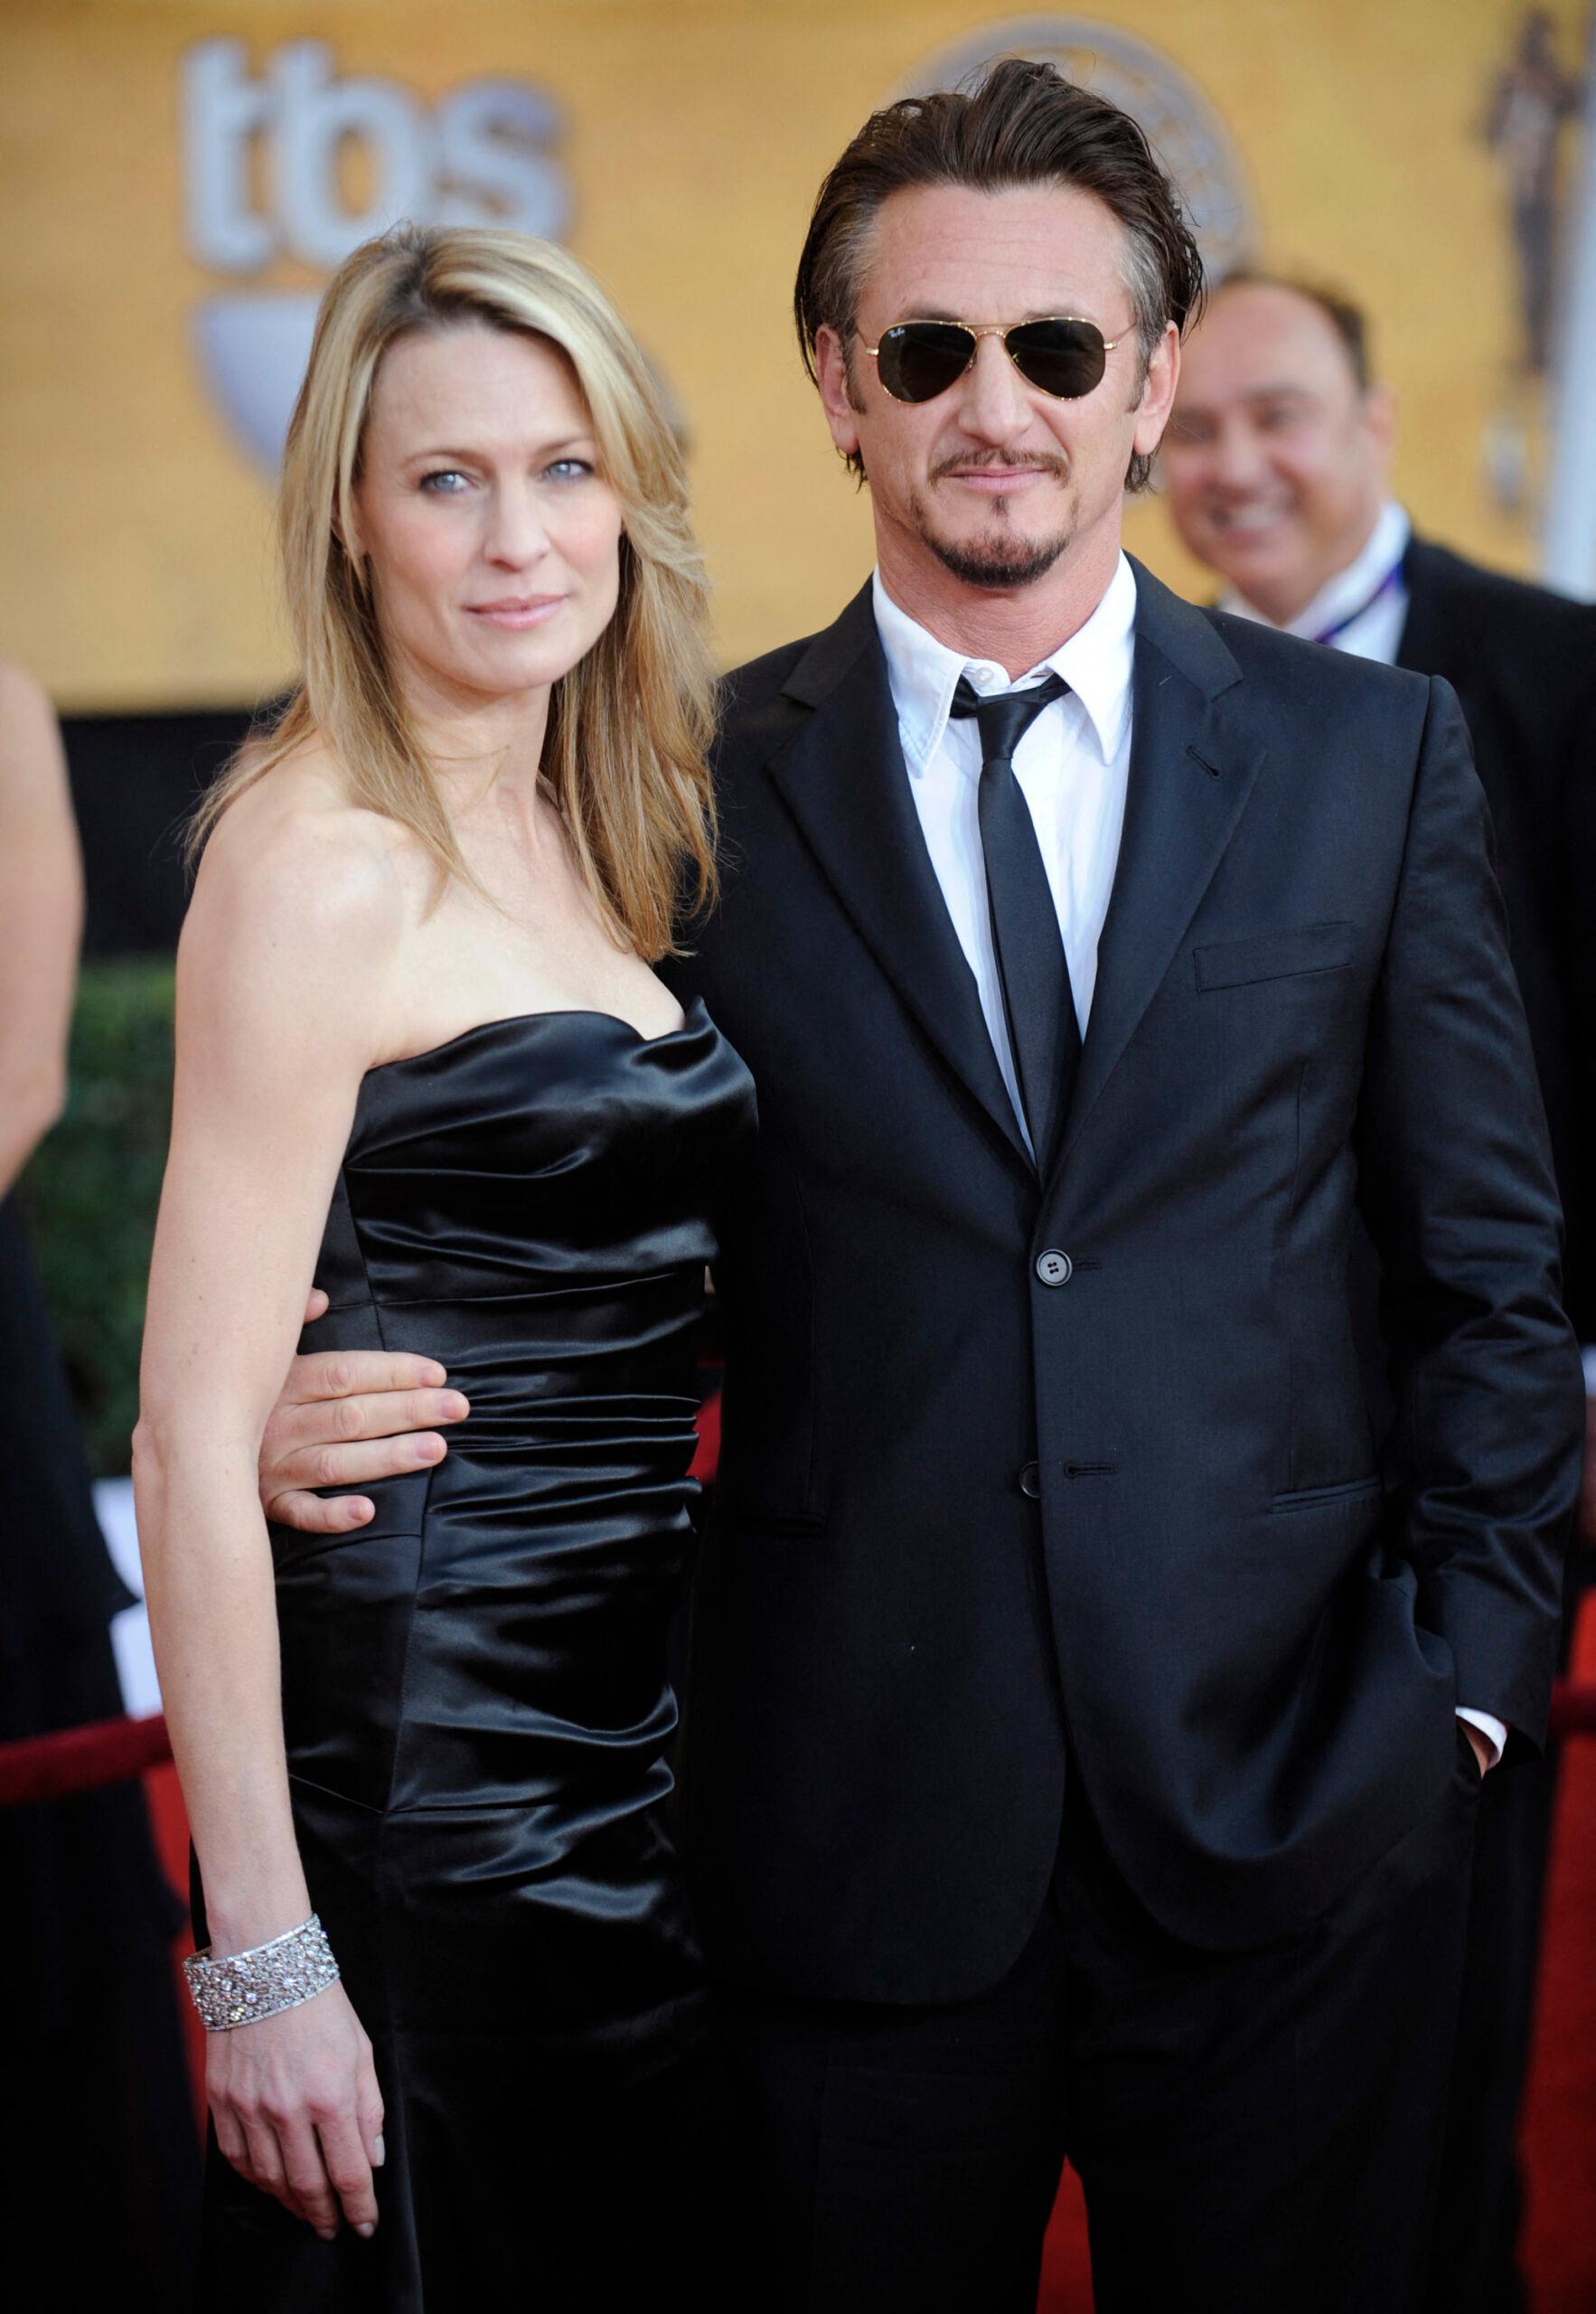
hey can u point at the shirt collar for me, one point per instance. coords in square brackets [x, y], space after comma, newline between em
[1095, 662]
[1340, 597]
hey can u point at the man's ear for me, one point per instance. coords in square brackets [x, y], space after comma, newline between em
[1379, 415]
[830, 370]
[1158, 391]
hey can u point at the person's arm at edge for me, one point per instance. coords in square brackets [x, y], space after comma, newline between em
[42, 908]
[1575, 852]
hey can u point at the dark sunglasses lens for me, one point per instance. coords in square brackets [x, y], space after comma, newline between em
[1065, 359]
[918, 360]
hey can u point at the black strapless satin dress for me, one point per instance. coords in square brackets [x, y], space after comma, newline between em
[474, 1691]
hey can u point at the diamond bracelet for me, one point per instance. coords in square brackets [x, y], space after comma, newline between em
[243, 1987]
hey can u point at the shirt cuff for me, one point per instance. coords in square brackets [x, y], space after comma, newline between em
[1494, 1732]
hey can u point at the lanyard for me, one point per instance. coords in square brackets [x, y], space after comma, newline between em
[1387, 586]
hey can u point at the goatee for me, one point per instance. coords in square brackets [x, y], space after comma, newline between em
[998, 563]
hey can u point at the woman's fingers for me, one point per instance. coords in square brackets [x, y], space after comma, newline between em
[231, 2143]
[297, 2109]
[310, 2189]
[367, 2109]
[263, 2160]
[350, 2171]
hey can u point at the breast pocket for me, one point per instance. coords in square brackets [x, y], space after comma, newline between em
[1273, 955]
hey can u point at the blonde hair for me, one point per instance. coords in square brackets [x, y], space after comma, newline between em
[629, 726]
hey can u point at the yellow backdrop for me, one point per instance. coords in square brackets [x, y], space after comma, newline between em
[691, 135]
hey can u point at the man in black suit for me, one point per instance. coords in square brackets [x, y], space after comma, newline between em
[1074, 1759]
[1276, 468]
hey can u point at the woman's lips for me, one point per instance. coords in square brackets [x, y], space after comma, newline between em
[515, 612]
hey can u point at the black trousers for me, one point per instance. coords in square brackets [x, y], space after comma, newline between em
[1474, 2263]
[1256, 2132]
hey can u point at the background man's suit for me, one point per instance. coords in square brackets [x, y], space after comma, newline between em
[991, 1522]
[1523, 663]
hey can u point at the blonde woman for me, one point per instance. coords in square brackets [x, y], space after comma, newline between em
[457, 2052]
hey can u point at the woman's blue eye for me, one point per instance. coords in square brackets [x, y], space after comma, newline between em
[443, 484]
[570, 469]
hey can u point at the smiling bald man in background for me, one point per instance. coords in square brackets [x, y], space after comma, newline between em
[1276, 466]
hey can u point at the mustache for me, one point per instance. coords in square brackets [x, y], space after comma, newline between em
[972, 461]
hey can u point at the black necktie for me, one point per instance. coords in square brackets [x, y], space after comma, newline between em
[1043, 1032]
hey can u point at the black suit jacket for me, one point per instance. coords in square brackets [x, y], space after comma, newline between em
[969, 1519]
[1523, 663]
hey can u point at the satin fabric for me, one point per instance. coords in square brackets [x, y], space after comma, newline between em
[475, 1693]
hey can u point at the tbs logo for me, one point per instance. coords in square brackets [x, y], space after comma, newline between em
[268, 170]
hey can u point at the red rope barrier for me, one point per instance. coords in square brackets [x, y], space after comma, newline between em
[114, 1751]
[1573, 1707]
[80, 1759]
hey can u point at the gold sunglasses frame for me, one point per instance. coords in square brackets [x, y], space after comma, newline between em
[992, 329]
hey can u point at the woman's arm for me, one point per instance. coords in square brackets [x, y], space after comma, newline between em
[42, 909]
[287, 950]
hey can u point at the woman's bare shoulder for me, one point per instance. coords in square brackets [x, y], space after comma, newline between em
[303, 909]
[294, 841]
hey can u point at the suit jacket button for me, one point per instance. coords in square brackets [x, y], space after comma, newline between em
[1055, 1268]
[1030, 1482]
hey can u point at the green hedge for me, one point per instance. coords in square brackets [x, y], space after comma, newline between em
[89, 1196]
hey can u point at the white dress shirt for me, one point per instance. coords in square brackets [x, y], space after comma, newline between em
[1071, 764]
[1368, 622]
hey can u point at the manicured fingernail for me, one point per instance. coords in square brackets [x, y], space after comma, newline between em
[366, 2230]
[378, 2154]
[325, 2233]
[457, 1409]
[360, 1512]
[429, 1450]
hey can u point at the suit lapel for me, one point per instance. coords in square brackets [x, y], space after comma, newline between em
[844, 781]
[1191, 771]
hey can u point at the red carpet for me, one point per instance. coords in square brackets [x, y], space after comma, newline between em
[1560, 2121]
[1560, 2115]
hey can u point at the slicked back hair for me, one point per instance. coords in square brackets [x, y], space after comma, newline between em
[1024, 124]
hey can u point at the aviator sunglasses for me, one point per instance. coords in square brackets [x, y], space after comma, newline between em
[1064, 357]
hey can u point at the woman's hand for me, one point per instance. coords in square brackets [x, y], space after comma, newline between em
[298, 2112]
